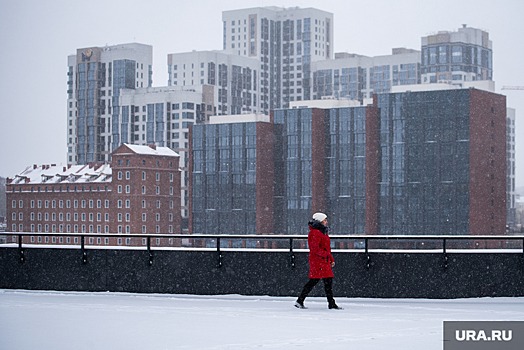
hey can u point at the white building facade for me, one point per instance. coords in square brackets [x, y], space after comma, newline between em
[285, 41]
[454, 57]
[234, 78]
[357, 77]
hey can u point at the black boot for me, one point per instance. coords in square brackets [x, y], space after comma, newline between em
[334, 306]
[300, 305]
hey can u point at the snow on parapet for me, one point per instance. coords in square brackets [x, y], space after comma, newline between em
[239, 118]
[152, 150]
[325, 102]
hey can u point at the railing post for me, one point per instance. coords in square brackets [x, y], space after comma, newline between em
[149, 252]
[20, 249]
[84, 253]
[291, 254]
[219, 263]
[445, 265]
[368, 258]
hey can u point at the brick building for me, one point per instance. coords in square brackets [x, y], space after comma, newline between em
[138, 192]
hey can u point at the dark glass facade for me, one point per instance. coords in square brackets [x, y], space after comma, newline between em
[324, 165]
[224, 178]
[296, 172]
[123, 74]
[424, 183]
[346, 164]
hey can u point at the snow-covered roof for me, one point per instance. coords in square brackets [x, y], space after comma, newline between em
[147, 150]
[52, 174]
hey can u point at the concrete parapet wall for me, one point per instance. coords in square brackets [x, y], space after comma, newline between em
[389, 275]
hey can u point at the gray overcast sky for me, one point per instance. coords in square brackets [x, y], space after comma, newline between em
[37, 36]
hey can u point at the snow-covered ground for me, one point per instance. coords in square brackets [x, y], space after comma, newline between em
[78, 320]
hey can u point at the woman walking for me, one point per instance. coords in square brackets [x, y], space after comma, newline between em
[321, 261]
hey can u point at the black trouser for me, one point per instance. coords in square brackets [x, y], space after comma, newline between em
[328, 287]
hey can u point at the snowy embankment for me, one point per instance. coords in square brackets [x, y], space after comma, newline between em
[78, 320]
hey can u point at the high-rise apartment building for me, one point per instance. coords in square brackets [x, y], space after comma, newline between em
[285, 41]
[357, 77]
[95, 77]
[419, 162]
[454, 57]
[162, 116]
[234, 78]
[442, 162]
[232, 175]
[324, 165]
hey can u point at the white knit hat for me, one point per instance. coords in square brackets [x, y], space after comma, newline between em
[319, 217]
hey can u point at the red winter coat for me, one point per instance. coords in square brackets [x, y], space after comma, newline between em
[320, 257]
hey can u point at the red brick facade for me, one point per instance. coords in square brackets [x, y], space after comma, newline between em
[487, 184]
[139, 193]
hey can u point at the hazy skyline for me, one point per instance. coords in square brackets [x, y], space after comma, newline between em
[37, 36]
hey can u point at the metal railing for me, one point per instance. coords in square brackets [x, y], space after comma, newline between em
[363, 240]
